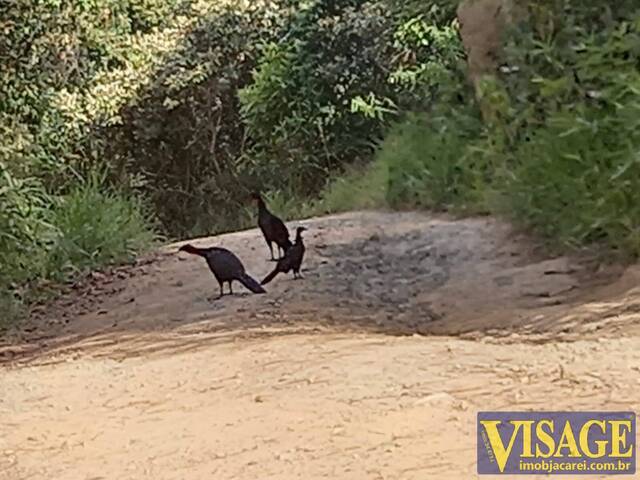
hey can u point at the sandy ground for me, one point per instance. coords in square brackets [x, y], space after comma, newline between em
[372, 367]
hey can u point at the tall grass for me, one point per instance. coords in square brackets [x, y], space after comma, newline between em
[55, 238]
[574, 180]
[431, 165]
[578, 185]
[96, 227]
[359, 188]
[424, 161]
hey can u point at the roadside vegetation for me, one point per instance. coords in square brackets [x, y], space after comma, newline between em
[126, 121]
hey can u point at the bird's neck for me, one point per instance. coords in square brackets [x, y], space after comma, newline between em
[262, 207]
[299, 237]
[193, 250]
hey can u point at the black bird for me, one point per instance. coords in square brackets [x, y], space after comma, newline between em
[292, 259]
[226, 267]
[273, 229]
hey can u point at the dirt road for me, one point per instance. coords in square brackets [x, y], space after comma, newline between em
[373, 367]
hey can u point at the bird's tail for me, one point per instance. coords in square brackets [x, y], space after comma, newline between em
[251, 284]
[271, 276]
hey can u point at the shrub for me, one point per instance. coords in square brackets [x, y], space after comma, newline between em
[45, 237]
[430, 163]
[96, 226]
[298, 106]
[322, 100]
[359, 188]
[24, 228]
[573, 124]
[554, 141]
[182, 139]
[196, 103]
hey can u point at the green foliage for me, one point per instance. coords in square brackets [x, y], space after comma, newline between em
[96, 227]
[430, 163]
[554, 142]
[359, 188]
[194, 103]
[45, 237]
[67, 69]
[181, 142]
[320, 100]
[574, 115]
[297, 108]
[11, 310]
[53, 85]
[24, 227]
[432, 51]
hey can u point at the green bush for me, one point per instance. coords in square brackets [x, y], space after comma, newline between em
[24, 228]
[181, 141]
[573, 124]
[96, 227]
[430, 163]
[297, 108]
[67, 69]
[196, 103]
[54, 238]
[11, 310]
[553, 142]
[359, 188]
[56, 80]
[321, 100]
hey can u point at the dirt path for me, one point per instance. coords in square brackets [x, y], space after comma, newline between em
[373, 367]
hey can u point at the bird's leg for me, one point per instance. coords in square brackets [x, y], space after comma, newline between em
[212, 299]
[221, 290]
[297, 275]
[271, 250]
[230, 288]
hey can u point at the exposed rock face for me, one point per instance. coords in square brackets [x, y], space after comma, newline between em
[482, 23]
